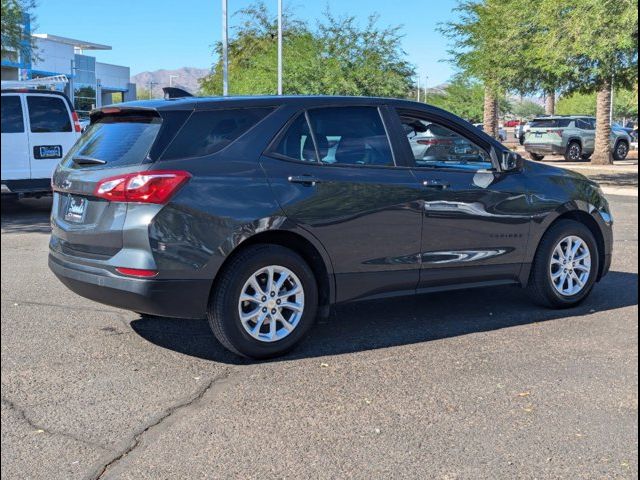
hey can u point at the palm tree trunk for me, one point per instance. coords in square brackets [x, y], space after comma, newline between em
[603, 154]
[550, 102]
[490, 113]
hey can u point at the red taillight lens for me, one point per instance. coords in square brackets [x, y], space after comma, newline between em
[76, 122]
[155, 186]
[137, 272]
[557, 132]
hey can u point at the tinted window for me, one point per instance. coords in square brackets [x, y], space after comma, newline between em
[551, 123]
[12, 121]
[119, 140]
[351, 136]
[48, 114]
[436, 146]
[297, 143]
[209, 132]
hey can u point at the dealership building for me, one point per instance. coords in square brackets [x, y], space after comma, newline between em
[92, 84]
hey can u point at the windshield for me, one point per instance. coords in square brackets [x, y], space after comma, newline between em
[116, 141]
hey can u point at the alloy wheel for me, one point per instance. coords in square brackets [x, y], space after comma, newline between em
[271, 303]
[575, 152]
[570, 266]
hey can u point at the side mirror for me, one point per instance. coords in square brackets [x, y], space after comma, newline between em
[511, 161]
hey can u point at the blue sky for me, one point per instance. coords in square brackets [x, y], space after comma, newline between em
[155, 34]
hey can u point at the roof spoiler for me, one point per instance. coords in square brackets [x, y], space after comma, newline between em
[175, 92]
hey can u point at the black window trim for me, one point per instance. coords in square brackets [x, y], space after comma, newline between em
[270, 150]
[22, 112]
[443, 122]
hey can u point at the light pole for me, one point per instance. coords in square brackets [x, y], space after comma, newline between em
[279, 47]
[225, 49]
[419, 88]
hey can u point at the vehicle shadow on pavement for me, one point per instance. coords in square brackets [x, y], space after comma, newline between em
[402, 321]
[26, 216]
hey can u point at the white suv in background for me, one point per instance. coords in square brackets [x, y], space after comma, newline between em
[38, 129]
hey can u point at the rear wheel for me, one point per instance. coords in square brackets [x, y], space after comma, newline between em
[621, 151]
[565, 267]
[264, 302]
[574, 152]
[536, 157]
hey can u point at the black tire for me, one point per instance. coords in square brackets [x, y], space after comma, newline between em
[536, 157]
[540, 285]
[574, 152]
[587, 157]
[223, 315]
[621, 151]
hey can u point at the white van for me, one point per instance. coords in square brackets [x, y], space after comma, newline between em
[38, 129]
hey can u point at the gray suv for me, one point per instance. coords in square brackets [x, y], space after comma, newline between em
[573, 137]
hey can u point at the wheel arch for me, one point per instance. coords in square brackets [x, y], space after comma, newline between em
[587, 220]
[308, 249]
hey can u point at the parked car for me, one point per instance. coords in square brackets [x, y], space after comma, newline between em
[502, 133]
[512, 123]
[38, 128]
[573, 137]
[628, 129]
[520, 132]
[260, 213]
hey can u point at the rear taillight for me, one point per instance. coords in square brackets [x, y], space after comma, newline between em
[76, 122]
[137, 272]
[557, 132]
[154, 186]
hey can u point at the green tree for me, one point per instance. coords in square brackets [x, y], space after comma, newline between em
[12, 35]
[483, 48]
[577, 104]
[338, 57]
[625, 104]
[599, 40]
[527, 109]
[465, 98]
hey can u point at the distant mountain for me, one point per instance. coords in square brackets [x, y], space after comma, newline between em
[186, 77]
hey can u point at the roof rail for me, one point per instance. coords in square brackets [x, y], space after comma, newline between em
[35, 82]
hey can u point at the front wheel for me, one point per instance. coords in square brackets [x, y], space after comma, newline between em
[264, 302]
[566, 266]
[621, 151]
[536, 157]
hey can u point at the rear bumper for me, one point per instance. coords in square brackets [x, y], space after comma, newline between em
[544, 148]
[166, 298]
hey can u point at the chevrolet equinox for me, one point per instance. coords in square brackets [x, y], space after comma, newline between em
[260, 213]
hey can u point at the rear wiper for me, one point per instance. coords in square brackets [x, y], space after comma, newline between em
[82, 160]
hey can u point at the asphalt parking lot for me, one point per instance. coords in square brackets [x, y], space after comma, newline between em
[475, 384]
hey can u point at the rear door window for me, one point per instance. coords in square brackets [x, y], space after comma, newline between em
[208, 132]
[351, 136]
[12, 119]
[297, 143]
[118, 140]
[48, 114]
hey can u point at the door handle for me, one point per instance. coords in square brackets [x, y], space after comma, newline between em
[435, 184]
[307, 180]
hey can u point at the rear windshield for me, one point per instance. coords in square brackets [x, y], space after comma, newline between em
[208, 132]
[551, 123]
[118, 140]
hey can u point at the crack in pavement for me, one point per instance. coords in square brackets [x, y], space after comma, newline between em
[22, 413]
[131, 444]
